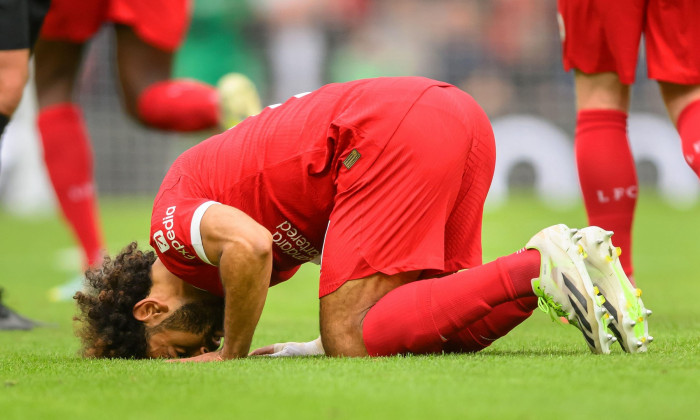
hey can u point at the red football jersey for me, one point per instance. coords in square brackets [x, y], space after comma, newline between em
[282, 168]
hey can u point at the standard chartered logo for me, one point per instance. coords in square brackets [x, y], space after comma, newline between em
[293, 243]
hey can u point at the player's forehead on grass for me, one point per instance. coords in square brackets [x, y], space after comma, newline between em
[118, 317]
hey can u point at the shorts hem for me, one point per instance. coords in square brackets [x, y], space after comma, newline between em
[679, 80]
[71, 38]
[327, 289]
[625, 79]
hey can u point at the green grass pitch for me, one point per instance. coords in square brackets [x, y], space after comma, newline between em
[541, 370]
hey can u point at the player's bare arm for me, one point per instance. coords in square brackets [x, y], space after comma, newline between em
[242, 249]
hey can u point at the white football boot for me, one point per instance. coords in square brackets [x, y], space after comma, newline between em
[623, 302]
[564, 287]
[238, 98]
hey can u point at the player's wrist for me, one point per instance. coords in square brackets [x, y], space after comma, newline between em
[310, 348]
[315, 347]
[233, 352]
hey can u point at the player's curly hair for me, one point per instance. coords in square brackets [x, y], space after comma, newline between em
[106, 324]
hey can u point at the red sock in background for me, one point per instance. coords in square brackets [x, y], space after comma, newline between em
[179, 105]
[69, 163]
[607, 175]
[420, 317]
[689, 130]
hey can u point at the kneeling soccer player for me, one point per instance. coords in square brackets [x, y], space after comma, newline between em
[386, 179]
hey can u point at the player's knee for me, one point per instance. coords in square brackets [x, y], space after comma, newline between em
[341, 332]
[343, 344]
[601, 91]
[342, 337]
[678, 97]
[11, 88]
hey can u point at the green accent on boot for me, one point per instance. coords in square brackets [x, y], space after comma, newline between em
[547, 304]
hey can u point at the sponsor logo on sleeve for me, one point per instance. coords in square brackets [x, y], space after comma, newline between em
[166, 240]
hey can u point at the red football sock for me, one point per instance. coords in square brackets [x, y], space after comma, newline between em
[420, 317]
[68, 158]
[689, 130]
[179, 105]
[502, 319]
[607, 175]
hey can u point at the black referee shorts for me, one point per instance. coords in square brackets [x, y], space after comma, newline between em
[20, 22]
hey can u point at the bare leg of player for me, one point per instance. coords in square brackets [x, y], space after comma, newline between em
[14, 70]
[151, 95]
[343, 311]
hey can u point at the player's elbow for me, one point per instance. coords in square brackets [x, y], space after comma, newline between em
[254, 247]
[261, 244]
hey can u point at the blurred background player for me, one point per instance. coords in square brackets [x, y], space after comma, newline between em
[20, 21]
[601, 41]
[148, 33]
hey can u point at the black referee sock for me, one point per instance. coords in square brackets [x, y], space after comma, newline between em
[4, 119]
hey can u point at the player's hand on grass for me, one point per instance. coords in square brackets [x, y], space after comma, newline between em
[214, 356]
[312, 348]
[265, 351]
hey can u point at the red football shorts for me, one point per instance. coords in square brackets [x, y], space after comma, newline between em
[420, 205]
[603, 36]
[160, 23]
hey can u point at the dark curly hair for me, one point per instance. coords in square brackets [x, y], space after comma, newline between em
[107, 327]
